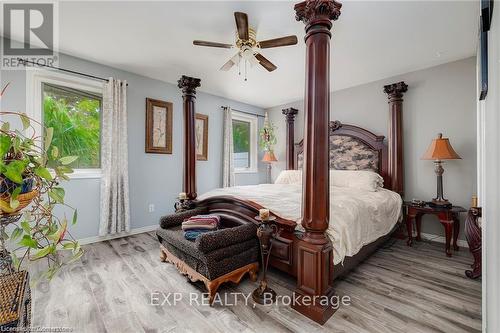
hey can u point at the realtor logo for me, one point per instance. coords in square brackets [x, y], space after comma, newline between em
[29, 34]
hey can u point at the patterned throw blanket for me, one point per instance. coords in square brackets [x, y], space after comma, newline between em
[199, 224]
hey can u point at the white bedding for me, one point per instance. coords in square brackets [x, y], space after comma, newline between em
[357, 217]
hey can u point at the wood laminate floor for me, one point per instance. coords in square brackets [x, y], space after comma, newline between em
[398, 289]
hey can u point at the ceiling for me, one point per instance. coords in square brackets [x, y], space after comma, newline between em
[371, 40]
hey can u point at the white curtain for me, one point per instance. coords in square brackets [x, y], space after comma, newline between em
[227, 154]
[115, 206]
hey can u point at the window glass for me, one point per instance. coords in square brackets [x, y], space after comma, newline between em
[75, 116]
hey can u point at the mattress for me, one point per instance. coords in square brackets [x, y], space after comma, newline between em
[357, 217]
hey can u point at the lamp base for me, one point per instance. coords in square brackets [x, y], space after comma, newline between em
[440, 203]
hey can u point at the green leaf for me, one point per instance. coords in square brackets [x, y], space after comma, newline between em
[59, 234]
[57, 194]
[28, 242]
[76, 256]
[68, 159]
[55, 152]
[16, 193]
[5, 144]
[44, 173]
[44, 252]
[75, 217]
[5, 127]
[15, 260]
[49, 133]
[16, 233]
[14, 203]
[25, 120]
[4, 235]
[25, 225]
[14, 171]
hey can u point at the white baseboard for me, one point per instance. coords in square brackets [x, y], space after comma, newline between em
[441, 239]
[95, 239]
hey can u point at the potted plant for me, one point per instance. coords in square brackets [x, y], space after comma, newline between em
[31, 170]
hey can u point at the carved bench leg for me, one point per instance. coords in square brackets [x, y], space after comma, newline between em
[163, 256]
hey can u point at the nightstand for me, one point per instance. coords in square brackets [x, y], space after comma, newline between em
[449, 218]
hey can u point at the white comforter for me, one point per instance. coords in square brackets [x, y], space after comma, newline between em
[357, 217]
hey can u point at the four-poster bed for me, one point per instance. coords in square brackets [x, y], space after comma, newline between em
[308, 255]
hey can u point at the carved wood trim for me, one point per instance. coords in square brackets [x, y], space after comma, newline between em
[188, 86]
[211, 285]
[290, 114]
[473, 236]
[395, 170]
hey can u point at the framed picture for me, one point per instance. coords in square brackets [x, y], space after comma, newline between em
[158, 126]
[201, 132]
[486, 17]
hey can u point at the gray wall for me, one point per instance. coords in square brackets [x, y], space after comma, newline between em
[154, 178]
[439, 99]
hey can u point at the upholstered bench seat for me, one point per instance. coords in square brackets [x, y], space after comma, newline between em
[215, 257]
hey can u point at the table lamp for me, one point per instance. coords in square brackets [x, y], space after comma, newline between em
[268, 159]
[439, 150]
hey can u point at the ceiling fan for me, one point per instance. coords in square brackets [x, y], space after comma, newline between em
[248, 46]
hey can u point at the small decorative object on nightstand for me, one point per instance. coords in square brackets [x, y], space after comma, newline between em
[263, 294]
[439, 150]
[183, 204]
[448, 216]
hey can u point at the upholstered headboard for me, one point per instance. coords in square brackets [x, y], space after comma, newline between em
[352, 148]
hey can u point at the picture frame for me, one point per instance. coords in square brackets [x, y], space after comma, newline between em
[158, 126]
[201, 134]
[485, 23]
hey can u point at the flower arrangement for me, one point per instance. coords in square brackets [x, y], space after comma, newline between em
[31, 170]
[267, 138]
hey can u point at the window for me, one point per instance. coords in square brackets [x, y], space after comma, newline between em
[72, 107]
[75, 116]
[244, 142]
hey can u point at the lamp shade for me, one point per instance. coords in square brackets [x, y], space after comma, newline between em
[440, 149]
[269, 157]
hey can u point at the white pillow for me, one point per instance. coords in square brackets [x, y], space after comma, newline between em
[358, 179]
[289, 177]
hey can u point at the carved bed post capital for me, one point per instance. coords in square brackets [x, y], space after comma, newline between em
[290, 114]
[188, 86]
[395, 93]
[396, 90]
[313, 12]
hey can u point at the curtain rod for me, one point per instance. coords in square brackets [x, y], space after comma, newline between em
[63, 70]
[253, 114]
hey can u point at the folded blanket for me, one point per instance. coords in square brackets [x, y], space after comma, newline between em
[191, 235]
[208, 222]
[199, 226]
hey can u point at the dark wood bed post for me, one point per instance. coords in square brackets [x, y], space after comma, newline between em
[290, 137]
[395, 93]
[314, 249]
[188, 86]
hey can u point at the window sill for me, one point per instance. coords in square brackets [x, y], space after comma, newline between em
[246, 171]
[86, 174]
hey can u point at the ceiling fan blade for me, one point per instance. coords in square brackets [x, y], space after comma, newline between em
[253, 61]
[276, 42]
[211, 44]
[231, 62]
[241, 24]
[265, 63]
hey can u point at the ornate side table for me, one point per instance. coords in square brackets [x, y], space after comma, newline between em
[449, 218]
[264, 294]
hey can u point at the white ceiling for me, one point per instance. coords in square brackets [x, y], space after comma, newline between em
[371, 40]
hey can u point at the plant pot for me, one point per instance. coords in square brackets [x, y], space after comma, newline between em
[7, 186]
[24, 200]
